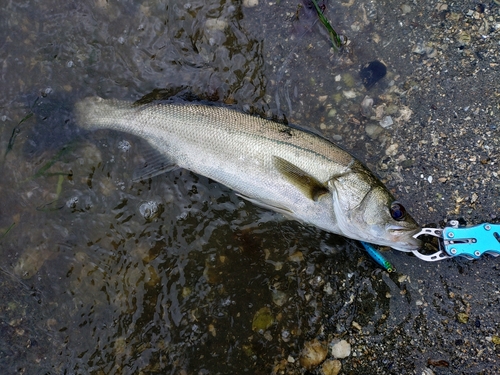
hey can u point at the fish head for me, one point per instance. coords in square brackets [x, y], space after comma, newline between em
[365, 210]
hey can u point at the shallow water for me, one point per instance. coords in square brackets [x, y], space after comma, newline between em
[103, 275]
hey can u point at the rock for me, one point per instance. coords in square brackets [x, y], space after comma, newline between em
[341, 349]
[250, 3]
[279, 297]
[371, 73]
[331, 367]
[367, 107]
[313, 354]
[215, 24]
[296, 257]
[392, 150]
[463, 317]
[332, 112]
[405, 9]
[373, 130]
[423, 49]
[350, 94]
[262, 320]
[386, 122]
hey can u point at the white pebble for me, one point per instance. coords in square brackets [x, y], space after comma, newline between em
[386, 122]
[405, 8]
[392, 150]
[215, 24]
[341, 349]
[250, 3]
[349, 94]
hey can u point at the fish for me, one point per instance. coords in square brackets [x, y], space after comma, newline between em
[279, 167]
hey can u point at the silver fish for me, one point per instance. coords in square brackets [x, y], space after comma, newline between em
[294, 172]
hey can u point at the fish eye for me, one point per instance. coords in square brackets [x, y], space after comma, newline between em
[397, 211]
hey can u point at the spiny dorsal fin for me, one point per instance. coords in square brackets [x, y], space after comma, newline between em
[306, 183]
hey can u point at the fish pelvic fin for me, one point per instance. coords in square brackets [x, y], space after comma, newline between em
[307, 184]
[154, 165]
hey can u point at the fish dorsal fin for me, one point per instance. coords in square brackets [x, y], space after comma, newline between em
[307, 184]
[155, 164]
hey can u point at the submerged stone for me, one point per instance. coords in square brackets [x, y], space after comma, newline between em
[331, 367]
[341, 349]
[371, 73]
[313, 354]
[262, 320]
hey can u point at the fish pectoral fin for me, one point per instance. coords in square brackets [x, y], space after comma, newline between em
[269, 206]
[307, 184]
[154, 165]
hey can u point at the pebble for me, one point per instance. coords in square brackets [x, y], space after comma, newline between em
[392, 150]
[337, 137]
[250, 3]
[349, 94]
[463, 317]
[215, 24]
[441, 7]
[422, 49]
[296, 257]
[405, 9]
[371, 73]
[331, 367]
[279, 297]
[313, 354]
[366, 106]
[262, 320]
[386, 122]
[373, 130]
[149, 210]
[341, 349]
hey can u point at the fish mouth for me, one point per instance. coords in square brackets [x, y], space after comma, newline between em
[408, 247]
[406, 242]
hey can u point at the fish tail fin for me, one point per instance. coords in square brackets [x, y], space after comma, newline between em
[96, 113]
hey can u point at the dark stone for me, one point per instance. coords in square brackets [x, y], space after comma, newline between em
[371, 73]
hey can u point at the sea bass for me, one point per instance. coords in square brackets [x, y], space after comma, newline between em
[294, 172]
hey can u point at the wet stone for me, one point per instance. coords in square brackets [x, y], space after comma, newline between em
[250, 3]
[149, 210]
[373, 130]
[463, 318]
[371, 73]
[341, 349]
[313, 354]
[279, 297]
[367, 107]
[331, 367]
[262, 320]
[386, 122]
[405, 9]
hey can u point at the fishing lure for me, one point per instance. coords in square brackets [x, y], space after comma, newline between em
[377, 257]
